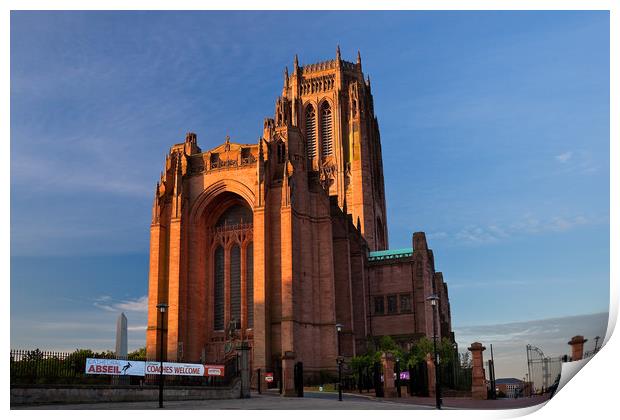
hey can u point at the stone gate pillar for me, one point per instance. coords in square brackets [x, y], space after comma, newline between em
[478, 378]
[387, 361]
[430, 377]
[576, 344]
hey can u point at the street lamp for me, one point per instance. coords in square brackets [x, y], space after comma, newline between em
[162, 310]
[339, 329]
[433, 299]
[455, 363]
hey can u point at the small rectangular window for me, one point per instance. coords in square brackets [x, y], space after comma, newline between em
[405, 303]
[391, 304]
[379, 309]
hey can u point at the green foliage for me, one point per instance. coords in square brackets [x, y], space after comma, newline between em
[373, 354]
[50, 367]
[424, 346]
[326, 377]
[387, 344]
[139, 354]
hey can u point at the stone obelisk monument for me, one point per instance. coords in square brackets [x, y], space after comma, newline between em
[121, 346]
[121, 337]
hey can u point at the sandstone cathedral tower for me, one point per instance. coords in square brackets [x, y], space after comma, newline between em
[276, 242]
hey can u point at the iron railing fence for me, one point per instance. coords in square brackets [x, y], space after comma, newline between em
[64, 368]
[591, 353]
[453, 376]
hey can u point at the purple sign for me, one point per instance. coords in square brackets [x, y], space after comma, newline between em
[404, 375]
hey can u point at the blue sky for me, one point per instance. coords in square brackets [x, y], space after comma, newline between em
[494, 127]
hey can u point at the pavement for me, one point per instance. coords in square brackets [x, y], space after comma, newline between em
[470, 404]
[271, 400]
[266, 401]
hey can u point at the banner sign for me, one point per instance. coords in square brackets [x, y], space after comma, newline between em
[114, 367]
[139, 368]
[184, 369]
[214, 370]
[269, 377]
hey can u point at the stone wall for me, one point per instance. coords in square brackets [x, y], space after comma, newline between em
[50, 394]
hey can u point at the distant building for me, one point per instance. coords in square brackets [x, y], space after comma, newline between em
[510, 387]
[279, 240]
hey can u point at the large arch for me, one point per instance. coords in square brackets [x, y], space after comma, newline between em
[220, 239]
[212, 194]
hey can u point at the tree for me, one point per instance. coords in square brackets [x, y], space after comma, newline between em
[466, 361]
[139, 354]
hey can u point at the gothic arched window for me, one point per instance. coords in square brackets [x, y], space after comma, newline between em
[281, 152]
[310, 132]
[249, 276]
[235, 283]
[326, 130]
[218, 292]
[234, 215]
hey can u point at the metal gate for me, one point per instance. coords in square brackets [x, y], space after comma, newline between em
[543, 372]
[418, 380]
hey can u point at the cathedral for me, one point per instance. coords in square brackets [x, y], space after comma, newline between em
[277, 242]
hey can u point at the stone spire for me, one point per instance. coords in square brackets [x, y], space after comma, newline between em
[155, 218]
[359, 60]
[177, 188]
[338, 57]
[260, 173]
[286, 191]
[296, 65]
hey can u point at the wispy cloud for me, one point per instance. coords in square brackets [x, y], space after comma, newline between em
[96, 170]
[550, 335]
[579, 161]
[456, 284]
[140, 328]
[131, 305]
[564, 157]
[528, 224]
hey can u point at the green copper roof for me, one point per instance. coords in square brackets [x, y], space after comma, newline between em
[390, 254]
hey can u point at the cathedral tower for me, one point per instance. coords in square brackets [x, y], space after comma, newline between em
[332, 105]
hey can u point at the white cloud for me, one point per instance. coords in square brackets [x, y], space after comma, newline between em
[528, 224]
[564, 157]
[131, 305]
[140, 328]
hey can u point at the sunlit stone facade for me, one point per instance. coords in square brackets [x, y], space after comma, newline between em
[280, 240]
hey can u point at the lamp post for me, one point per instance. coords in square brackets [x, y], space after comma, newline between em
[455, 361]
[339, 329]
[433, 299]
[162, 310]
